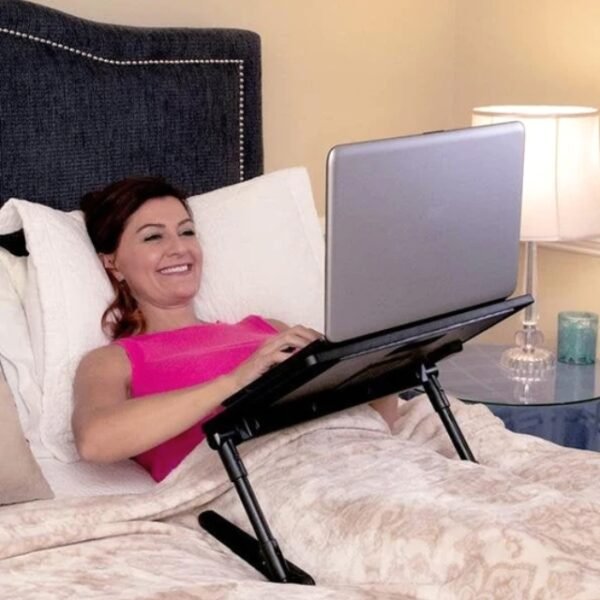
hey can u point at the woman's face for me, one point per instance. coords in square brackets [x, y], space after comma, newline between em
[159, 255]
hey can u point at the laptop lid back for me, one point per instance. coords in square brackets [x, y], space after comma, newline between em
[421, 226]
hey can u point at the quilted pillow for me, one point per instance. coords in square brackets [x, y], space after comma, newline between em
[263, 254]
[21, 479]
[16, 355]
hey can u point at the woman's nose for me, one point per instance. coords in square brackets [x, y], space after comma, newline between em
[176, 245]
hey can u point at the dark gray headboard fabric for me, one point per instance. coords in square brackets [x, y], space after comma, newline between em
[83, 104]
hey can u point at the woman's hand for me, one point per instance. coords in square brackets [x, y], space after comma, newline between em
[274, 351]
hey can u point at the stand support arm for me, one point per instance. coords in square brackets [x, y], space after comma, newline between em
[439, 401]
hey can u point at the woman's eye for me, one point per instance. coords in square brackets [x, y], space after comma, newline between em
[154, 236]
[188, 232]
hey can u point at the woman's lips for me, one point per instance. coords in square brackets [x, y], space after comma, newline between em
[176, 270]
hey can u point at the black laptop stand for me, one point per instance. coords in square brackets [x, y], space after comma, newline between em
[326, 378]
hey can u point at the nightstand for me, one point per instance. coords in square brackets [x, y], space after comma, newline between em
[565, 409]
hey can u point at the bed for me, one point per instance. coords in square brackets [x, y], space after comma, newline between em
[368, 513]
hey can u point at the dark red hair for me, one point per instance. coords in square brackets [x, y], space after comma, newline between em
[106, 214]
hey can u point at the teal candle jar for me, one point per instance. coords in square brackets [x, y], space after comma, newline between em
[577, 335]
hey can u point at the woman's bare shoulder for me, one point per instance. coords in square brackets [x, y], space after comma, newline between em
[109, 359]
[103, 378]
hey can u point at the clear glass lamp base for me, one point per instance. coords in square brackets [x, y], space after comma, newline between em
[528, 361]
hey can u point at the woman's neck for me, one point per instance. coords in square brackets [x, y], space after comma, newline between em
[167, 319]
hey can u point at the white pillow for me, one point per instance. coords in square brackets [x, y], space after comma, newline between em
[15, 269]
[263, 253]
[16, 356]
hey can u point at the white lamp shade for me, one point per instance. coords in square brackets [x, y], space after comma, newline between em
[561, 181]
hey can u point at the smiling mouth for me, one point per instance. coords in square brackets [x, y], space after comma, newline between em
[176, 270]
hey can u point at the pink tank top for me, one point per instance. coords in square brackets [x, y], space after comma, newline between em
[180, 358]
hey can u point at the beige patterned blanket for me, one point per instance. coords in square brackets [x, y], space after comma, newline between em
[368, 514]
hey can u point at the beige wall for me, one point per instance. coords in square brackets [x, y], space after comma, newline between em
[341, 70]
[533, 52]
[333, 70]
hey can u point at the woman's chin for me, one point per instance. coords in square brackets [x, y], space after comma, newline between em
[183, 294]
[187, 295]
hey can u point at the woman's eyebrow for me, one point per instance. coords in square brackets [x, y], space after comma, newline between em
[188, 220]
[149, 225]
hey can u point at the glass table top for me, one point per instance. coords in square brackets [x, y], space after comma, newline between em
[475, 375]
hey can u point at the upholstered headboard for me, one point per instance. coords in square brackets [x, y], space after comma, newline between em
[83, 104]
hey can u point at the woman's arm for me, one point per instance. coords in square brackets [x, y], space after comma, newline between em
[108, 427]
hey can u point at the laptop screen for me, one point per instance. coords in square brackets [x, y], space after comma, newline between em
[421, 226]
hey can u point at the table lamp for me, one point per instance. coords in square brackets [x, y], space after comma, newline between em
[561, 201]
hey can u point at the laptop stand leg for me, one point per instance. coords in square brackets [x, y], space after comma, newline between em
[262, 553]
[439, 400]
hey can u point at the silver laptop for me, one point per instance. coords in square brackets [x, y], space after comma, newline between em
[421, 226]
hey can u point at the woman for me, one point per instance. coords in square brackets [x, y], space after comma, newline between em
[178, 368]
[381, 508]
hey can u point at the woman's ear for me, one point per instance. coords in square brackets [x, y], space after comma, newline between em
[108, 261]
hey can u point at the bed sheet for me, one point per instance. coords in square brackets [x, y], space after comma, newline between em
[368, 514]
[81, 479]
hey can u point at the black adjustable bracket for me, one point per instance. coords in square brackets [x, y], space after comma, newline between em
[400, 360]
[429, 380]
[263, 552]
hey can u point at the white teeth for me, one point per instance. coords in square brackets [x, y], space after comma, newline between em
[179, 269]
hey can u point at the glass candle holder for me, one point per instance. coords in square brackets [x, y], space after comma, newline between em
[577, 334]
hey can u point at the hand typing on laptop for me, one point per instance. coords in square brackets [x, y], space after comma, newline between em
[285, 344]
[274, 351]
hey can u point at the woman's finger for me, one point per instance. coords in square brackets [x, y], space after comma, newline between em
[306, 331]
[288, 338]
[279, 357]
